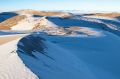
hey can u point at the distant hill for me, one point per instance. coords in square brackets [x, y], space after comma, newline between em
[110, 15]
[44, 13]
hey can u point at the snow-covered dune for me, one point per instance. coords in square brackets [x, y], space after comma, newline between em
[80, 57]
[49, 61]
[11, 66]
[53, 47]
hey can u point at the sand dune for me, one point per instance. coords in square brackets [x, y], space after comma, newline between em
[82, 47]
[6, 39]
[44, 13]
[7, 24]
[110, 15]
[11, 66]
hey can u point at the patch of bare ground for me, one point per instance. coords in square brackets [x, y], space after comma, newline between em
[7, 39]
[111, 15]
[7, 24]
[74, 28]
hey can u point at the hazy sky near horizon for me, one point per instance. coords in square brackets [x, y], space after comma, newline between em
[85, 5]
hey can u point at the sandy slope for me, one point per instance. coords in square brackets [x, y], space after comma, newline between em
[111, 15]
[6, 39]
[11, 66]
[7, 24]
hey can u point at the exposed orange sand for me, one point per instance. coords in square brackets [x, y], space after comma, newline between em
[7, 39]
[111, 15]
[7, 24]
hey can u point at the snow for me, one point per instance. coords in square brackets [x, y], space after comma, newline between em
[79, 57]
[47, 23]
[100, 17]
[89, 31]
[26, 24]
[57, 64]
[30, 22]
[100, 54]
[91, 51]
[11, 66]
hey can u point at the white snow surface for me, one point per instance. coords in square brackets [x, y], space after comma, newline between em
[74, 57]
[26, 24]
[11, 66]
[92, 52]
[100, 17]
[30, 22]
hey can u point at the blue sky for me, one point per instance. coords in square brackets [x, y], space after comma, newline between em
[85, 5]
